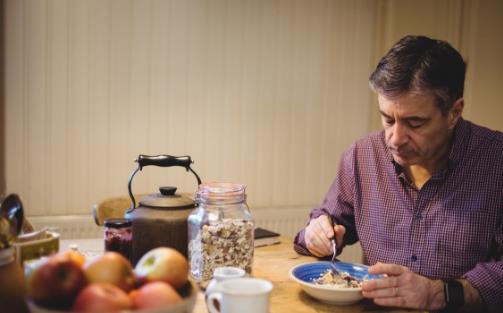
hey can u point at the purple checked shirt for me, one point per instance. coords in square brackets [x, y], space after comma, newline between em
[451, 228]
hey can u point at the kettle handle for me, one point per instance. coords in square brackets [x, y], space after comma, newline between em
[162, 160]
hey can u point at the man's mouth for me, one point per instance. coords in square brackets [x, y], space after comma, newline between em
[399, 152]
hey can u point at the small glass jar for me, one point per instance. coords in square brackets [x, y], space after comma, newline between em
[223, 273]
[220, 231]
[219, 275]
[119, 236]
[12, 285]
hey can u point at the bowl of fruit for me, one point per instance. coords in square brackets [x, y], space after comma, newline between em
[66, 282]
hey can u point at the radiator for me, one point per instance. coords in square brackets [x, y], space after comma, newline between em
[69, 226]
[286, 221]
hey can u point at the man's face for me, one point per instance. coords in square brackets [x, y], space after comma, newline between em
[416, 131]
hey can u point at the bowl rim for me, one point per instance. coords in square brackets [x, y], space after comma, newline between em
[323, 287]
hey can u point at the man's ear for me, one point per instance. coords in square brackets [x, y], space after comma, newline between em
[455, 112]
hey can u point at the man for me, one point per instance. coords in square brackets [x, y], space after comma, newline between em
[424, 196]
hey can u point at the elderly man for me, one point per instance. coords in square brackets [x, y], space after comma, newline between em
[424, 196]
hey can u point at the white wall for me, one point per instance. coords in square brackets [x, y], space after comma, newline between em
[267, 93]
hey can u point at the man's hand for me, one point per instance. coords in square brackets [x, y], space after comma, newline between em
[318, 234]
[403, 288]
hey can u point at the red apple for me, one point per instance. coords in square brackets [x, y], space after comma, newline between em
[155, 295]
[55, 282]
[112, 268]
[102, 297]
[163, 264]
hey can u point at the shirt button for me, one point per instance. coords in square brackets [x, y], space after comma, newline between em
[419, 216]
[414, 258]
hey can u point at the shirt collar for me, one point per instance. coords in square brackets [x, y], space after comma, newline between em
[459, 141]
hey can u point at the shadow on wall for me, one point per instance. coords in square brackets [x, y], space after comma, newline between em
[2, 101]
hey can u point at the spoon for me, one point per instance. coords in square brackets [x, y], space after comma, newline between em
[334, 244]
[334, 248]
[11, 219]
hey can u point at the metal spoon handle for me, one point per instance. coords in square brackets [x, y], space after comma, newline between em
[334, 243]
[334, 248]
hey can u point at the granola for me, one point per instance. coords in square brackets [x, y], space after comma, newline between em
[337, 279]
[226, 242]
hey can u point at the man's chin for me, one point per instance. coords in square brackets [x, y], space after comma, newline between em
[403, 161]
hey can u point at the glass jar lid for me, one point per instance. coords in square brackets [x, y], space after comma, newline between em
[220, 192]
[117, 223]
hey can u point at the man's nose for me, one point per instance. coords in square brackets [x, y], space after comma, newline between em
[399, 135]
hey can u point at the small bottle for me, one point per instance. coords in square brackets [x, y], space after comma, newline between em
[12, 288]
[119, 236]
[223, 273]
[219, 275]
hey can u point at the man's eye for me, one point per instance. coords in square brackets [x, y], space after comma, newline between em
[415, 124]
[388, 121]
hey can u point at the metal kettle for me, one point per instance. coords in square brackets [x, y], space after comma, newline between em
[160, 219]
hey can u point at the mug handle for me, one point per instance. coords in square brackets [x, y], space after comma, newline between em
[214, 296]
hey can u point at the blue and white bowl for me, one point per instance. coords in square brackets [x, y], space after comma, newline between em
[304, 274]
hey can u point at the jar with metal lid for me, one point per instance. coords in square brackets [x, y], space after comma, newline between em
[220, 230]
[12, 286]
[119, 236]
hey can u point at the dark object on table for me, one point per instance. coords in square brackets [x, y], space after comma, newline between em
[265, 237]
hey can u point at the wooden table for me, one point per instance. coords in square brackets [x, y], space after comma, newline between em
[272, 263]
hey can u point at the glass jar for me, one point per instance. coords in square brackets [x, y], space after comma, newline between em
[119, 236]
[220, 230]
[223, 273]
[219, 275]
[12, 288]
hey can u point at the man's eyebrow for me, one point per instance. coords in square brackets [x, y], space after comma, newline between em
[416, 118]
[384, 114]
[408, 118]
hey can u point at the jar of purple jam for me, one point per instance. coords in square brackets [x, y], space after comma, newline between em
[119, 236]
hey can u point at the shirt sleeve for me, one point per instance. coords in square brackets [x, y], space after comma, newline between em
[487, 277]
[338, 203]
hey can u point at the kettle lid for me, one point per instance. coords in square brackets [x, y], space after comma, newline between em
[168, 199]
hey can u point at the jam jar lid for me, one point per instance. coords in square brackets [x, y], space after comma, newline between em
[117, 222]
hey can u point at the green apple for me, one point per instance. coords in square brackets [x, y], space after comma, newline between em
[163, 264]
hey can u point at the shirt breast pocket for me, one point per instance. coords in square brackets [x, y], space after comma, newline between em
[464, 239]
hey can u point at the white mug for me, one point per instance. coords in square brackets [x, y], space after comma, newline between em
[241, 295]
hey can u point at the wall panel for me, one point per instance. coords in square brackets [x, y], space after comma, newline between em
[267, 93]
